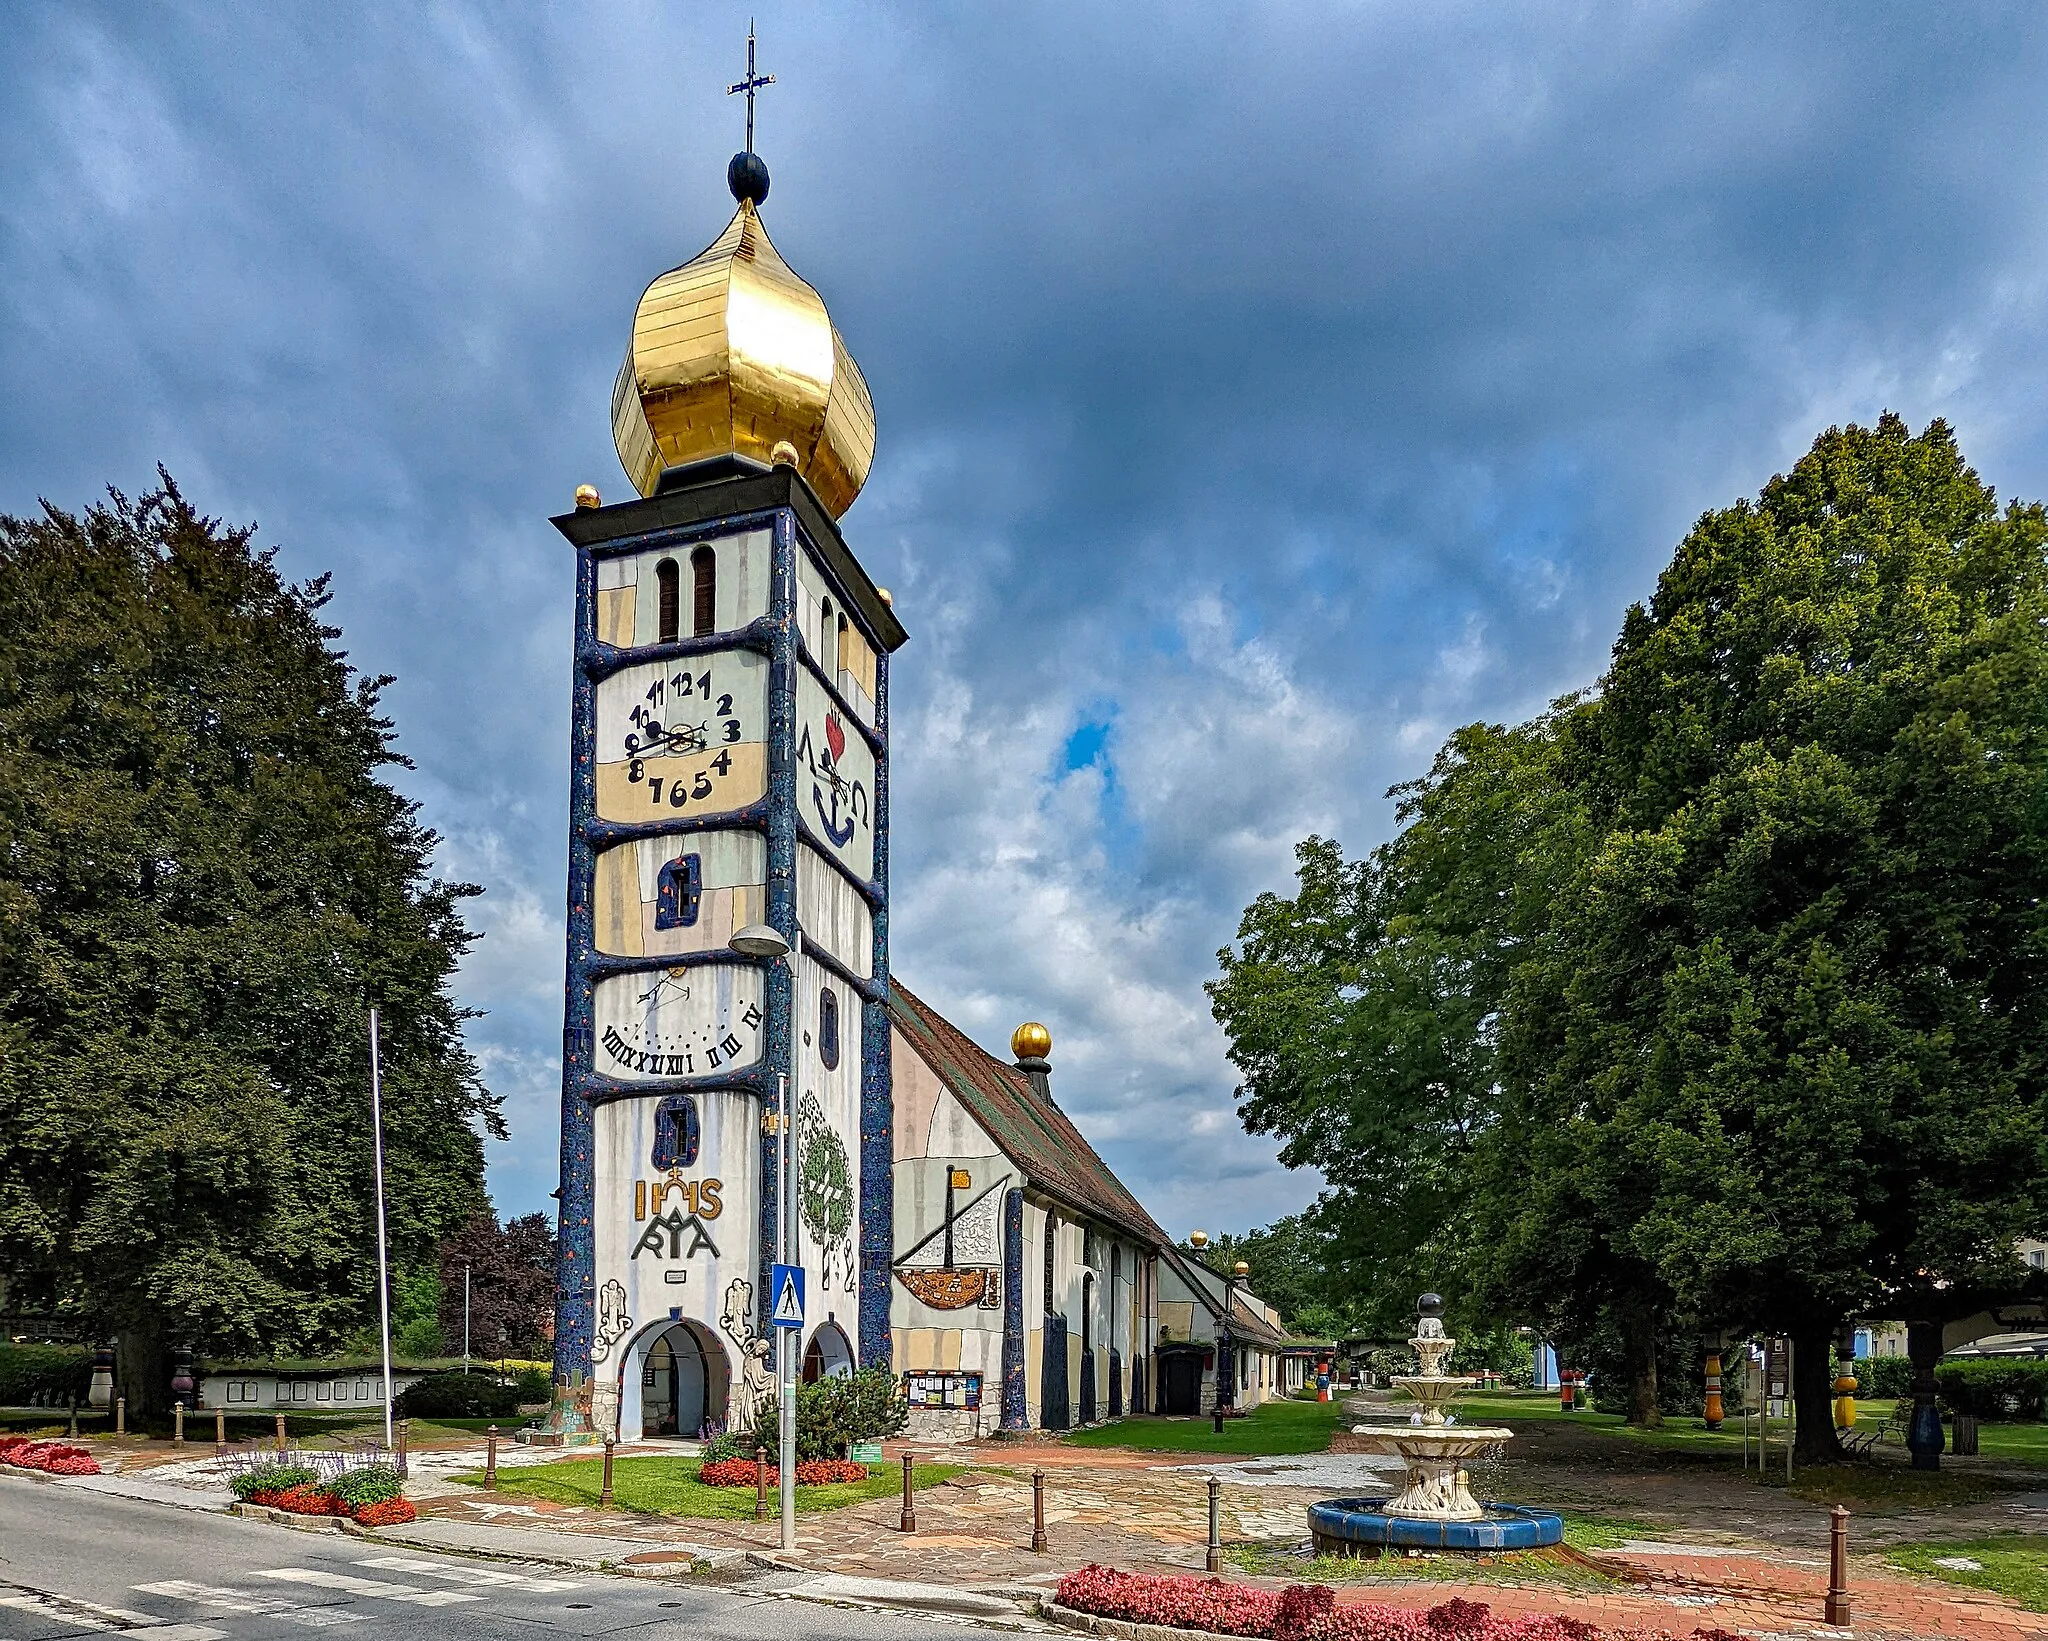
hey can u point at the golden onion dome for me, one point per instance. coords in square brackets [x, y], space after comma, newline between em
[733, 354]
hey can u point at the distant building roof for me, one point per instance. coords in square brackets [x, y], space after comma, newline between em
[1033, 1131]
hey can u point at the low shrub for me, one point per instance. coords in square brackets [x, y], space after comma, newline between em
[833, 1414]
[387, 1513]
[809, 1473]
[1310, 1613]
[44, 1375]
[372, 1484]
[458, 1396]
[728, 1446]
[1994, 1388]
[1883, 1378]
[271, 1478]
[533, 1384]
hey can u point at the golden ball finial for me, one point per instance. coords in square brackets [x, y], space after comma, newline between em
[1243, 1270]
[587, 496]
[784, 455]
[1031, 1041]
[886, 596]
[1198, 1239]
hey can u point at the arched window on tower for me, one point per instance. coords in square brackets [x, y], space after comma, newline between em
[668, 583]
[825, 631]
[675, 1133]
[839, 651]
[704, 573]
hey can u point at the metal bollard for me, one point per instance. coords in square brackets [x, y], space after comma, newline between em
[1836, 1610]
[74, 1419]
[491, 1461]
[1215, 1561]
[121, 1415]
[604, 1499]
[280, 1433]
[760, 1484]
[1038, 1512]
[909, 1524]
[177, 1424]
[220, 1430]
[398, 1459]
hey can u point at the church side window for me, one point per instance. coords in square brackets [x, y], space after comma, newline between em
[704, 590]
[675, 1133]
[828, 1027]
[668, 584]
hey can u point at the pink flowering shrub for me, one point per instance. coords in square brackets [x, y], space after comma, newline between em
[1309, 1612]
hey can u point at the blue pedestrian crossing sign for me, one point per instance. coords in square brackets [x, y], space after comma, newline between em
[787, 1284]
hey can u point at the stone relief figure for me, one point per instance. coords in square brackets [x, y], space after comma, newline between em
[825, 1194]
[612, 1320]
[756, 1379]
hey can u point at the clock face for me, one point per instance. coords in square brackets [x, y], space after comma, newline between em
[835, 779]
[682, 737]
[690, 1022]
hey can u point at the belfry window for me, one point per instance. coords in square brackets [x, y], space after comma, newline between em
[828, 1027]
[677, 892]
[704, 590]
[668, 584]
[675, 1133]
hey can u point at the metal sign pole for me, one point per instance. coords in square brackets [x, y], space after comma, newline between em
[383, 1251]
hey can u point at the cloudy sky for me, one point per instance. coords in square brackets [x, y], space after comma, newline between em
[1264, 390]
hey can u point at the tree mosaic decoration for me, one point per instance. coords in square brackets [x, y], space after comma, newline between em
[825, 1192]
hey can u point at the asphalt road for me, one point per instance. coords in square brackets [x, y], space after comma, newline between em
[79, 1564]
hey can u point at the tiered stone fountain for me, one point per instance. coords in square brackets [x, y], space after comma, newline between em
[1435, 1509]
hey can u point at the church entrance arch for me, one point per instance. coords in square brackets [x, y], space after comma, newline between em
[674, 1382]
[828, 1355]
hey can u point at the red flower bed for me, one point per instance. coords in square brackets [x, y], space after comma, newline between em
[1309, 1612]
[52, 1458]
[811, 1473]
[304, 1500]
[389, 1513]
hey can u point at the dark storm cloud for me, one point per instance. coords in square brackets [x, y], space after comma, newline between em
[1264, 389]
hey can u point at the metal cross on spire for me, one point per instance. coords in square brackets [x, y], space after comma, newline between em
[752, 83]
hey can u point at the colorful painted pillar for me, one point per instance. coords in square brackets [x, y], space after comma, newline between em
[1715, 1413]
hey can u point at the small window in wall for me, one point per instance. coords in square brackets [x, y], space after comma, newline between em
[668, 584]
[677, 893]
[704, 575]
[828, 1027]
[839, 649]
[675, 1133]
[825, 631]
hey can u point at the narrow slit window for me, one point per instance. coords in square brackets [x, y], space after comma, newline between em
[704, 574]
[678, 891]
[675, 1133]
[828, 1028]
[824, 631]
[839, 650]
[668, 582]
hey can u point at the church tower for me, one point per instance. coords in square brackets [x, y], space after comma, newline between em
[729, 766]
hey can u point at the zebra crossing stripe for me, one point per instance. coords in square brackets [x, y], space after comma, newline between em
[462, 1573]
[412, 1593]
[247, 1601]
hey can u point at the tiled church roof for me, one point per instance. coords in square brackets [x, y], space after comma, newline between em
[1038, 1137]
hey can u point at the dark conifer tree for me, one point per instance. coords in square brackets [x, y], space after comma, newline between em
[205, 882]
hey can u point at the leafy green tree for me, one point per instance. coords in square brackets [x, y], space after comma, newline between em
[1798, 1001]
[1717, 994]
[204, 884]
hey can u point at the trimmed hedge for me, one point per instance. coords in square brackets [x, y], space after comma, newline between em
[1995, 1388]
[1883, 1378]
[457, 1396]
[44, 1375]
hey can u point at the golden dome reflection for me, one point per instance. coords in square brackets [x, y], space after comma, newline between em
[733, 354]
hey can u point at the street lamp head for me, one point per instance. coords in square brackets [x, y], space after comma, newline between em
[759, 940]
[1198, 1239]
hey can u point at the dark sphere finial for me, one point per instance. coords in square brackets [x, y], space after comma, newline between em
[1430, 1304]
[747, 177]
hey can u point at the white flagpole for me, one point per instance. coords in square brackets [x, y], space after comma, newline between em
[383, 1255]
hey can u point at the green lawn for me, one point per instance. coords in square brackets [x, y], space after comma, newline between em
[1516, 1566]
[1275, 1428]
[669, 1487]
[2014, 1565]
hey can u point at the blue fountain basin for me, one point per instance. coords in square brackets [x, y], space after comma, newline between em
[1338, 1523]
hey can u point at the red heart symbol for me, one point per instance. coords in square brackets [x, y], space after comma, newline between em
[835, 737]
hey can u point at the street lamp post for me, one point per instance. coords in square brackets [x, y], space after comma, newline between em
[465, 1316]
[761, 941]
